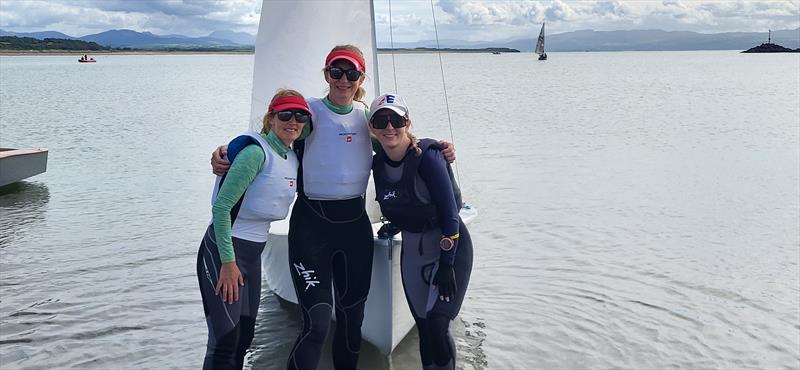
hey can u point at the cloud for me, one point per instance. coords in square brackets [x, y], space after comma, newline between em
[79, 17]
[470, 20]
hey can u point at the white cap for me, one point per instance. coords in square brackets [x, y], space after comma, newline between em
[388, 101]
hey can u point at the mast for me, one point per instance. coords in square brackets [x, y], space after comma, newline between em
[769, 37]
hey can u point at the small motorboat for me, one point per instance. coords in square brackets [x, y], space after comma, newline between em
[90, 60]
[19, 164]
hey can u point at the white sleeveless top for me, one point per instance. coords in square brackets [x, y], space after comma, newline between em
[338, 154]
[268, 197]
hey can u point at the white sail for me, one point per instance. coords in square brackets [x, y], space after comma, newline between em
[540, 42]
[293, 39]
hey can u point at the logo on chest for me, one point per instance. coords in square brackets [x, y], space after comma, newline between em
[390, 195]
[348, 136]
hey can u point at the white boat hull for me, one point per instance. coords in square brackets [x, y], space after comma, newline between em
[19, 164]
[387, 318]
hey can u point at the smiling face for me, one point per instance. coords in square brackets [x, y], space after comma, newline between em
[390, 137]
[287, 131]
[342, 91]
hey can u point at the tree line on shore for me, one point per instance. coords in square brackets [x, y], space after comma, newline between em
[30, 43]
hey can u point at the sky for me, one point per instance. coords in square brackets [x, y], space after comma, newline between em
[412, 20]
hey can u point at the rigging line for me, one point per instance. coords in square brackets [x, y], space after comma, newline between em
[444, 86]
[391, 38]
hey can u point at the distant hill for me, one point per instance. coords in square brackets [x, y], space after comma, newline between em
[588, 40]
[145, 40]
[30, 43]
[241, 38]
[585, 40]
[133, 39]
[38, 35]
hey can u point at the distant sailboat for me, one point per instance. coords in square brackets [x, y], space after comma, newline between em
[540, 45]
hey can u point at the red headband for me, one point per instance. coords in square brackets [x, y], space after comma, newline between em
[288, 102]
[348, 55]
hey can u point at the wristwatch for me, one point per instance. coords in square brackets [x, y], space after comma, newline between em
[446, 244]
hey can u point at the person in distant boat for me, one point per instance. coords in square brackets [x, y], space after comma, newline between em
[330, 236]
[258, 189]
[417, 193]
[85, 57]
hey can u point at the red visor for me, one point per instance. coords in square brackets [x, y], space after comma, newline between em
[348, 55]
[288, 102]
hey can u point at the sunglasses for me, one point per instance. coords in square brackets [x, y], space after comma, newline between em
[337, 73]
[381, 122]
[300, 116]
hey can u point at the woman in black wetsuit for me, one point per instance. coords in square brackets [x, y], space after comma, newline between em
[416, 190]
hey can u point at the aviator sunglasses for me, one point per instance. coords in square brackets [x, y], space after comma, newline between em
[300, 116]
[337, 73]
[381, 122]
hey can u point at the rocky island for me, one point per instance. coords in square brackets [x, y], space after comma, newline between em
[769, 47]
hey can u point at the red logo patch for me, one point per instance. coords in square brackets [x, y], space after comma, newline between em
[349, 139]
[291, 183]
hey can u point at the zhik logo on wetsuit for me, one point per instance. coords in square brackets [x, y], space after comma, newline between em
[308, 275]
[390, 195]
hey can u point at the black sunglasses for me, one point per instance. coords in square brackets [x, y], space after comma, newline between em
[300, 116]
[381, 122]
[337, 73]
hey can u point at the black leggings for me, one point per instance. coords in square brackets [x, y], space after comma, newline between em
[418, 263]
[330, 242]
[230, 326]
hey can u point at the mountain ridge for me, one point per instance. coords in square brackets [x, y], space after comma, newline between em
[580, 40]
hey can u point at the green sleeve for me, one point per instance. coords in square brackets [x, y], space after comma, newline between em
[243, 171]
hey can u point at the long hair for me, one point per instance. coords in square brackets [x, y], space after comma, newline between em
[278, 94]
[414, 140]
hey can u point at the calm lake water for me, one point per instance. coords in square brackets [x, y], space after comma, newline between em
[637, 210]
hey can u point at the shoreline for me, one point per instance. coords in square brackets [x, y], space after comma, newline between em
[222, 52]
[121, 52]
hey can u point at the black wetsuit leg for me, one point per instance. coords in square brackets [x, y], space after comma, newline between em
[326, 252]
[230, 326]
[419, 263]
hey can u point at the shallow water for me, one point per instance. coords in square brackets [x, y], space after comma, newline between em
[637, 210]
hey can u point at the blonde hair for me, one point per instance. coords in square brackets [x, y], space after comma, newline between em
[360, 93]
[278, 94]
[414, 140]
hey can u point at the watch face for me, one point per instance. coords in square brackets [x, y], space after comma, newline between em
[446, 244]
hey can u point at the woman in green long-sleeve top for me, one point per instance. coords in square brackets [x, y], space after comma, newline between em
[258, 189]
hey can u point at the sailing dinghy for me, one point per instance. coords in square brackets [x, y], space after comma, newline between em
[291, 56]
[540, 45]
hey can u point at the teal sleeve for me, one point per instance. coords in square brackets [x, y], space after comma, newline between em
[244, 169]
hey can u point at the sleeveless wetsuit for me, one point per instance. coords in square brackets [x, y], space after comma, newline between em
[258, 189]
[419, 193]
[330, 236]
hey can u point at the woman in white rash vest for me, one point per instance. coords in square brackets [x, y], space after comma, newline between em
[330, 236]
[258, 189]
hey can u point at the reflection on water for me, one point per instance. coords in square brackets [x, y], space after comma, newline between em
[23, 205]
[636, 211]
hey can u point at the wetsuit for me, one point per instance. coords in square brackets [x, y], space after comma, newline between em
[258, 189]
[418, 196]
[330, 236]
